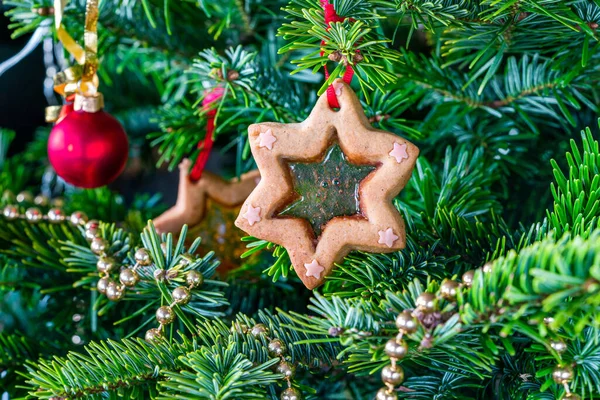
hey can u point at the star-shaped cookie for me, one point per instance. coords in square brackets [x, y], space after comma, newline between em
[190, 207]
[376, 227]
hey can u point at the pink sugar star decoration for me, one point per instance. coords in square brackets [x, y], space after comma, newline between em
[399, 152]
[252, 214]
[387, 237]
[266, 139]
[314, 269]
[338, 86]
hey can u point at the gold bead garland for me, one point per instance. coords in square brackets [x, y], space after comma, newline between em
[128, 276]
[181, 295]
[98, 245]
[426, 315]
[277, 348]
[562, 374]
[426, 304]
[393, 374]
[106, 263]
[34, 214]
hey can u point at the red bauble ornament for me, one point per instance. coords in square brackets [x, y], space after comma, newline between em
[88, 149]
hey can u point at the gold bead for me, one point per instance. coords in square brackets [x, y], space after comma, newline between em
[91, 234]
[396, 348]
[467, 278]
[25, 197]
[103, 283]
[92, 224]
[259, 330]
[41, 200]
[78, 218]
[571, 396]
[558, 345]
[56, 215]
[426, 302]
[10, 212]
[276, 348]
[142, 257]
[406, 323]
[105, 264]
[181, 295]
[562, 375]
[114, 292]
[449, 290]
[92, 230]
[194, 278]
[152, 335]
[386, 394]
[286, 369]
[392, 375]
[33, 215]
[129, 277]
[165, 315]
[99, 245]
[487, 267]
[291, 394]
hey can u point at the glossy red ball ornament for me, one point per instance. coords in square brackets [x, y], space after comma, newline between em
[88, 149]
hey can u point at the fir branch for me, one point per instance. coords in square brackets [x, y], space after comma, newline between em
[107, 367]
[134, 367]
[15, 349]
[340, 41]
[219, 373]
[576, 203]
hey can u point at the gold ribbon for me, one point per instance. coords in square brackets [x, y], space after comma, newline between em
[68, 42]
[90, 39]
[52, 113]
[65, 82]
[80, 78]
[87, 55]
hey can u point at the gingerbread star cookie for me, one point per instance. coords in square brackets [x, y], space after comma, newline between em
[209, 207]
[327, 186]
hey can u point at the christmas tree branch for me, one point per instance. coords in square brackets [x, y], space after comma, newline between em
[218, 351]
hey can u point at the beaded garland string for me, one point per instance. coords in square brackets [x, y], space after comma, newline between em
[277, 348]
[181, 295]
[426, 315]
[107, 264]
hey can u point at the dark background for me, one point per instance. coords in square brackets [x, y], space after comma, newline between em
[22, 100]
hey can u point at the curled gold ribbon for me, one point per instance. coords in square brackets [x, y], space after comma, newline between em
[80, 78]
[52, 113]
[65, 82]
[68, 42]
[90, 39]
[85, 56]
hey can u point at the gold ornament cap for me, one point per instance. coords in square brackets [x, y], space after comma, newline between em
[90, 103]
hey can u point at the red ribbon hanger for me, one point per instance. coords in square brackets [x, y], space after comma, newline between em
[205, 146]
[332, 16]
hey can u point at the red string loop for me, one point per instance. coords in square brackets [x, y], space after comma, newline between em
[205, 146]
[332, 16]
